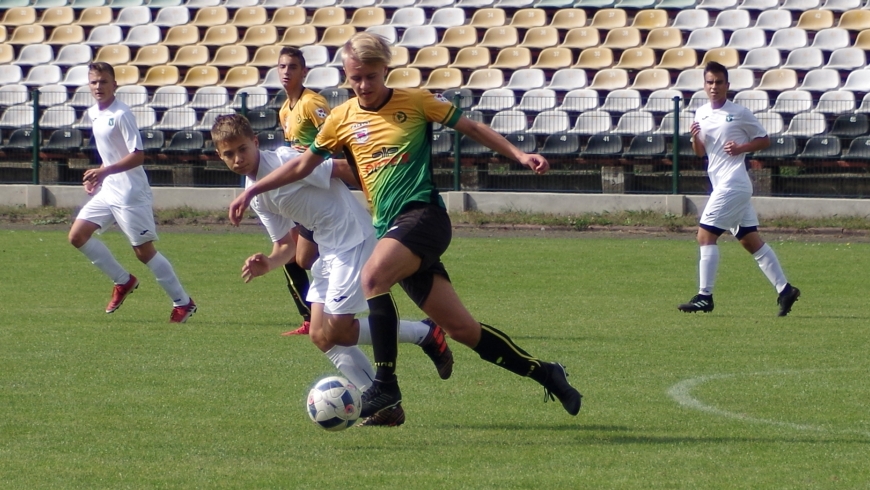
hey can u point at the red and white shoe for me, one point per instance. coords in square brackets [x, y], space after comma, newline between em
[180, 314]
[120, 293]
[303, 330]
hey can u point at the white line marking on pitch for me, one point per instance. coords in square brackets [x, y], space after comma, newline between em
[682, 394]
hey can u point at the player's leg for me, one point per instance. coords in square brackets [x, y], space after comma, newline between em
[443, 305]
[94, 216]
[138, 224]
[425, 333]
[298, 282]
[349, 360]
[767, 261]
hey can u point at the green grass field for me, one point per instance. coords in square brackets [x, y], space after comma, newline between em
[737, 398]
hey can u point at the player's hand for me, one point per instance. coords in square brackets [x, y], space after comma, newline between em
[535, 162]
[256, 266]
[90, 188]
[695, 129]
[94, 176]
[238, 207]
[732, 148]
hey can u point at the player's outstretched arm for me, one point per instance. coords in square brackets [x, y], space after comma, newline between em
[484, 135]
[342, 170]
[95, 176]
[293, 170]
[259, 264]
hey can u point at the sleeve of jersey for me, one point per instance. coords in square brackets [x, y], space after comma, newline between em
[321, 175]
[439, 109]
[754, 129]
[127, 124]
[326, 141]
[276, 225]
[318, 111]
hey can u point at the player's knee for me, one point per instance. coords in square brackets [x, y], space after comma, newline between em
[320, 340]
[77, 239]
[466, 333]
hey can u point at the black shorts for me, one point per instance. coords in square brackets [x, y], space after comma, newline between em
[305, 233]
[426, 231]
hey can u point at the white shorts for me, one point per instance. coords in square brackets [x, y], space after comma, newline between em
[137, 222]
[336, 279]
[729, 209]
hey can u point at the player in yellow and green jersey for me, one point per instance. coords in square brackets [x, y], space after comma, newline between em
[300, 116]
[386, 132]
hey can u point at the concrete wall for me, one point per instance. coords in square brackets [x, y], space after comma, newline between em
[487, 202]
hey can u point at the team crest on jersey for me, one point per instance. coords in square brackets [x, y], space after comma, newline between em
[321, 112]
[362, 135]
[298, 118]
[400, 117]
[111, 121]
[729, 117]
[441, 98]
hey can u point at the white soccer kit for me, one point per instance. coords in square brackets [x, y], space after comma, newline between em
[124, 197]
[729, 206]
[342, 229]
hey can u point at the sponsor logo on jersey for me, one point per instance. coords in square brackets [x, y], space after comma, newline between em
[321, 112]
[385, 152]
[339, 299]
[441, 98]
[359, 125]
[362, 136]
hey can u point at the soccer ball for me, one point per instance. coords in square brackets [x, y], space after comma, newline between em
[334, 403]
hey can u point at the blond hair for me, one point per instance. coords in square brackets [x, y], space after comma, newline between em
[103, 68]
[367, 48]
[229, 127]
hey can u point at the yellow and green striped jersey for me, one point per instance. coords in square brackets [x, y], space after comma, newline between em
[302, 121]
[391, 147]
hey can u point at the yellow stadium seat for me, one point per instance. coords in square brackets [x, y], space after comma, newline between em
[816, 20]
[241, 76]
[58, 16]
[541, 37]
[622, 38]
[289, 17]
[610, 79]
[220, 36]
[230, 55]
[250, 16]
[368, 17]
[679, 59]
[211, 16]
[499, 37]
[153, 55]
[399, 56]
[19, 16]
[30, 34]
[646, 20]
[443, 79]
[727, 57]
[609, 19]
[328, 16]
[855, 20]
[3, 33]
[201, 76]
[528, 18]
[513, 58]
[114, 54]
[581, 38]
[404, 78]
[554, 59]
[266, 56]
[160, 76]
[431, 57]
[595, 58]
[335, 36]
[637, 59]
[568, 18]
[7, 54]
[95, 16]
[863, 40]
[459, 37]
[126, 75]
[299, 36]
[652, 79]
[67, 34]
[664, 38]
[778, 79]
[488, 17]
[485, 79]
[260, 36]
[181, 36]
[471, 57]
[190, 55]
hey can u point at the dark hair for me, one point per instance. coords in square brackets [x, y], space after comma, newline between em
[717, 68]
[102, 67]
[231, 126]
[293, 52]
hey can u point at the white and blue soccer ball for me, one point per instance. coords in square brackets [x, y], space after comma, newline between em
[334, 403]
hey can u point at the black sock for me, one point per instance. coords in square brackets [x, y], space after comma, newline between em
[384, 324]
[496, 347]
[298, 283]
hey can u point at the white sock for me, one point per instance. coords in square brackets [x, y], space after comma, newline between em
[353, 364]
[99, 255]
[409, 332]
[769, 264]
[167, 279]
[707, 268]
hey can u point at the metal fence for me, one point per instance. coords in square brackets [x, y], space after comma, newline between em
[619, 142]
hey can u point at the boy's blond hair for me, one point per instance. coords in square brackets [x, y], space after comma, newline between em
[367, 48]
[103, 68]
[231, 126]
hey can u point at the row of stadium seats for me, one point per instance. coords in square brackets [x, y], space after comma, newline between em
[713, 5]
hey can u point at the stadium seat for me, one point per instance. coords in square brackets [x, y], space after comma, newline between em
[387, 32]
[651, 79]
[484, 79]
[850, 125]
[592, 122]
[317, 55]
[211, 16]
[43, 75]
[105, 35]
[133, 16]
[473, 4]
[143, 36]
[761, 59]
[28, 34]
[13, 94]
[847, 59]
[553, 3]
[419, 37]
[689, 20]
[52, 95]
[132, 95]
[747, 39]
[825, 147]
[772, 122]
[537, 100]
[261, 36]
[550, 122]
[151, 56]
[777, 80]
[594, 59]
[646, 145]
[526, 79]
[442, 143]
[678, 59]
[804, 59]
[271, 81]
[375, 16]
[560, 145]
[58, 117]
[202, 4]
[63, 35]
[82, 98]
[190, 56]
[554, 58]
[676, 4]
[113, 54]
[73, 54]
[171, 16]
[316, 4]
[270, 140]
[862, 40]
[126, 75]
[567, 79]
[513, 59]
[806, 124]
[262, 119]
[697, 100]
[646, 20]
[780, 147]
[161, 3]
[466, 97]
[447, 17]
[7, 53]
[636, 59]
[161, 75]
[400, 78]
[580, 100]
[705, 38]
[250, 16]
[58, 16]
[145, 116]
[800, 5]
[443, 79]
[266, 56]
[754, 100]
[17, 116]
[407, 17]
[201, 76]
[289, 16]
[859, 149]
[789, 39]
[20, 141]
[34, 54]
[186, 142]
[176, 119]
[741, 79]
[471, 58]
[468, 146]
[255, 97]
[513, 3]
[621, 100]
[19, 16]
[836, 102]
[322, 77]
[727, 57]
[832, 39]
[793, 102]
[223, 35]
[773, 20]
[64, 141]
[209, 98]
[509, 121]
[335, 96]
[336, 36]
[690, 80]
[821, 80]
[83, 4]
[841, 5]
[731, 20]
[567, 19]
[622, 38]
[181, 36]
[602, 145]
[328, 17]
[815, 20]
[662, 100]
[717, 5]
[528, 18]
[499, 37]
[488, 17]
[75, 76]
[540, 37]
[95, 16]
[663, 38]
[610, 79]
[169, 96]
[609, 18]
[581, 38]
[594, 4]
[435, 4]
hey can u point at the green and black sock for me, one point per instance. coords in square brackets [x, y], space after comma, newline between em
[298, 284]
[496, 347]
[384, 325]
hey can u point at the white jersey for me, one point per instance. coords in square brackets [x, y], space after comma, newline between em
[731, 122]
[116, 136]
[318, 202]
